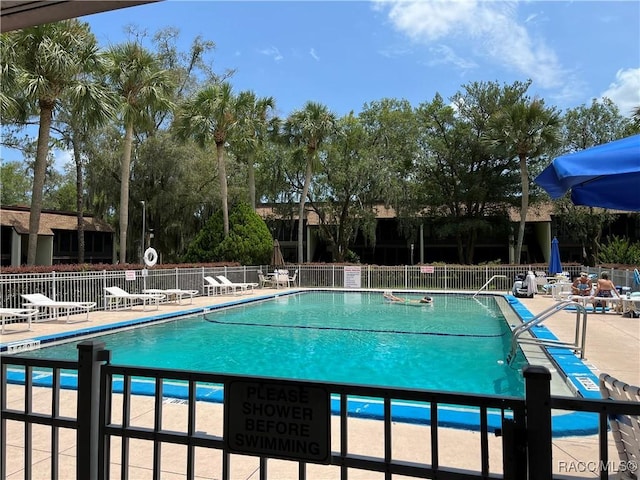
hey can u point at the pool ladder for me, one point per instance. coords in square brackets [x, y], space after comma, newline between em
[580, 336]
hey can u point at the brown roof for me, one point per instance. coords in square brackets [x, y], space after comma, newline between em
[535, 213]
[18, 218]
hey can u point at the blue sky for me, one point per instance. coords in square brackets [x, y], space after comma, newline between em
[347, 53]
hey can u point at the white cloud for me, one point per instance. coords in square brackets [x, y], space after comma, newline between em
[272, 52]
[488, 29]
[625, 90]
[62, 158]
[446, 54]
[314, 55]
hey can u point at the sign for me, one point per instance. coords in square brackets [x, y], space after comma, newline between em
[130, 275]
[427, 269]
[278, 420]
[352, 277]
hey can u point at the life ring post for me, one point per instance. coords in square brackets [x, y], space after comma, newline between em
[150, 257]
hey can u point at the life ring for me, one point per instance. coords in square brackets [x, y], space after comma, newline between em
[150, 257]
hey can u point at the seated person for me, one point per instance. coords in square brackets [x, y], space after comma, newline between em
[581, 285]
[604, 289]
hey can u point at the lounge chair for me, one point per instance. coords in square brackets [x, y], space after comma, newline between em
[211, 286]
[118, 298]
[625, 429]
[45, 304]
[17, 315]
[173, 294]
[241, 286]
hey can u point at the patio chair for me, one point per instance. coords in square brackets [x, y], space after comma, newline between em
[625, 429]
[211, 286]
[293, 279]
[240, 286]
[265, 282]
[116, 297]
[44, 304]
[10, 316]
[173, 294]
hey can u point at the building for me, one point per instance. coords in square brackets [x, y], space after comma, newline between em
[427, 245]
[57, 238]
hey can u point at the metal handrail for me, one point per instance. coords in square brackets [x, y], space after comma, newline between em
[578, 344]
[487, 283]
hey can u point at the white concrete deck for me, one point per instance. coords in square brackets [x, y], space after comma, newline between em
[613, 346]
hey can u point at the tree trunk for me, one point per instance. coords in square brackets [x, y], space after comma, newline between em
[222, 172]
[252, 184]
[124, 191]
[79, 198]
[303, 200]
[39, 173]
[524, 206]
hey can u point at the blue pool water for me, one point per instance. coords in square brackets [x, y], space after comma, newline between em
[457, 344]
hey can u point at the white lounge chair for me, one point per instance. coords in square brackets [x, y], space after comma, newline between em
[625, 429]
[211, 286]
[173, 294]
[11, 316]
[118, 298]
[52, 307]
[242, 286]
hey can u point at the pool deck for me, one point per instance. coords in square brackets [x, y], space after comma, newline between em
[612, 346]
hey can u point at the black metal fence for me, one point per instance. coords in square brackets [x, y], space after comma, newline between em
[259, 421]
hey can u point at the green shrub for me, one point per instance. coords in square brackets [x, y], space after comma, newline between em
[249, 241]
[619, 251]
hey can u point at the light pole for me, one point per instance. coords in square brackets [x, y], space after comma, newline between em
[144, 219]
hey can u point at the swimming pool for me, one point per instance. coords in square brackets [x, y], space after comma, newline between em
[458, 344]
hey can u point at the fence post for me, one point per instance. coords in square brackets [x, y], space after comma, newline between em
[90, 356]
[537, 399]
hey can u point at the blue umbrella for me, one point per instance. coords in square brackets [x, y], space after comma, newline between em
[555, 266]
[605, 176]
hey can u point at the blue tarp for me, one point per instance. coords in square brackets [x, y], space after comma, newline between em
[605, 176]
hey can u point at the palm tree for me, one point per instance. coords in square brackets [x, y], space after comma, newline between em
[305, 130]
[51, 61]
[211, 116]
[525, 129]
[252, 133]
[144, 88]
[78, 122]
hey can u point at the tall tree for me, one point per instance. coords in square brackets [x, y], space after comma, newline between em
[210, 116]
[526, 130]
[76, 124]
[460, 182]
[250, 138]
[305, 130]
[51, 61]
[143, 88]
[347, 188]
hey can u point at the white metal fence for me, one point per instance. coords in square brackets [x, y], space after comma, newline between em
[89, 286]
